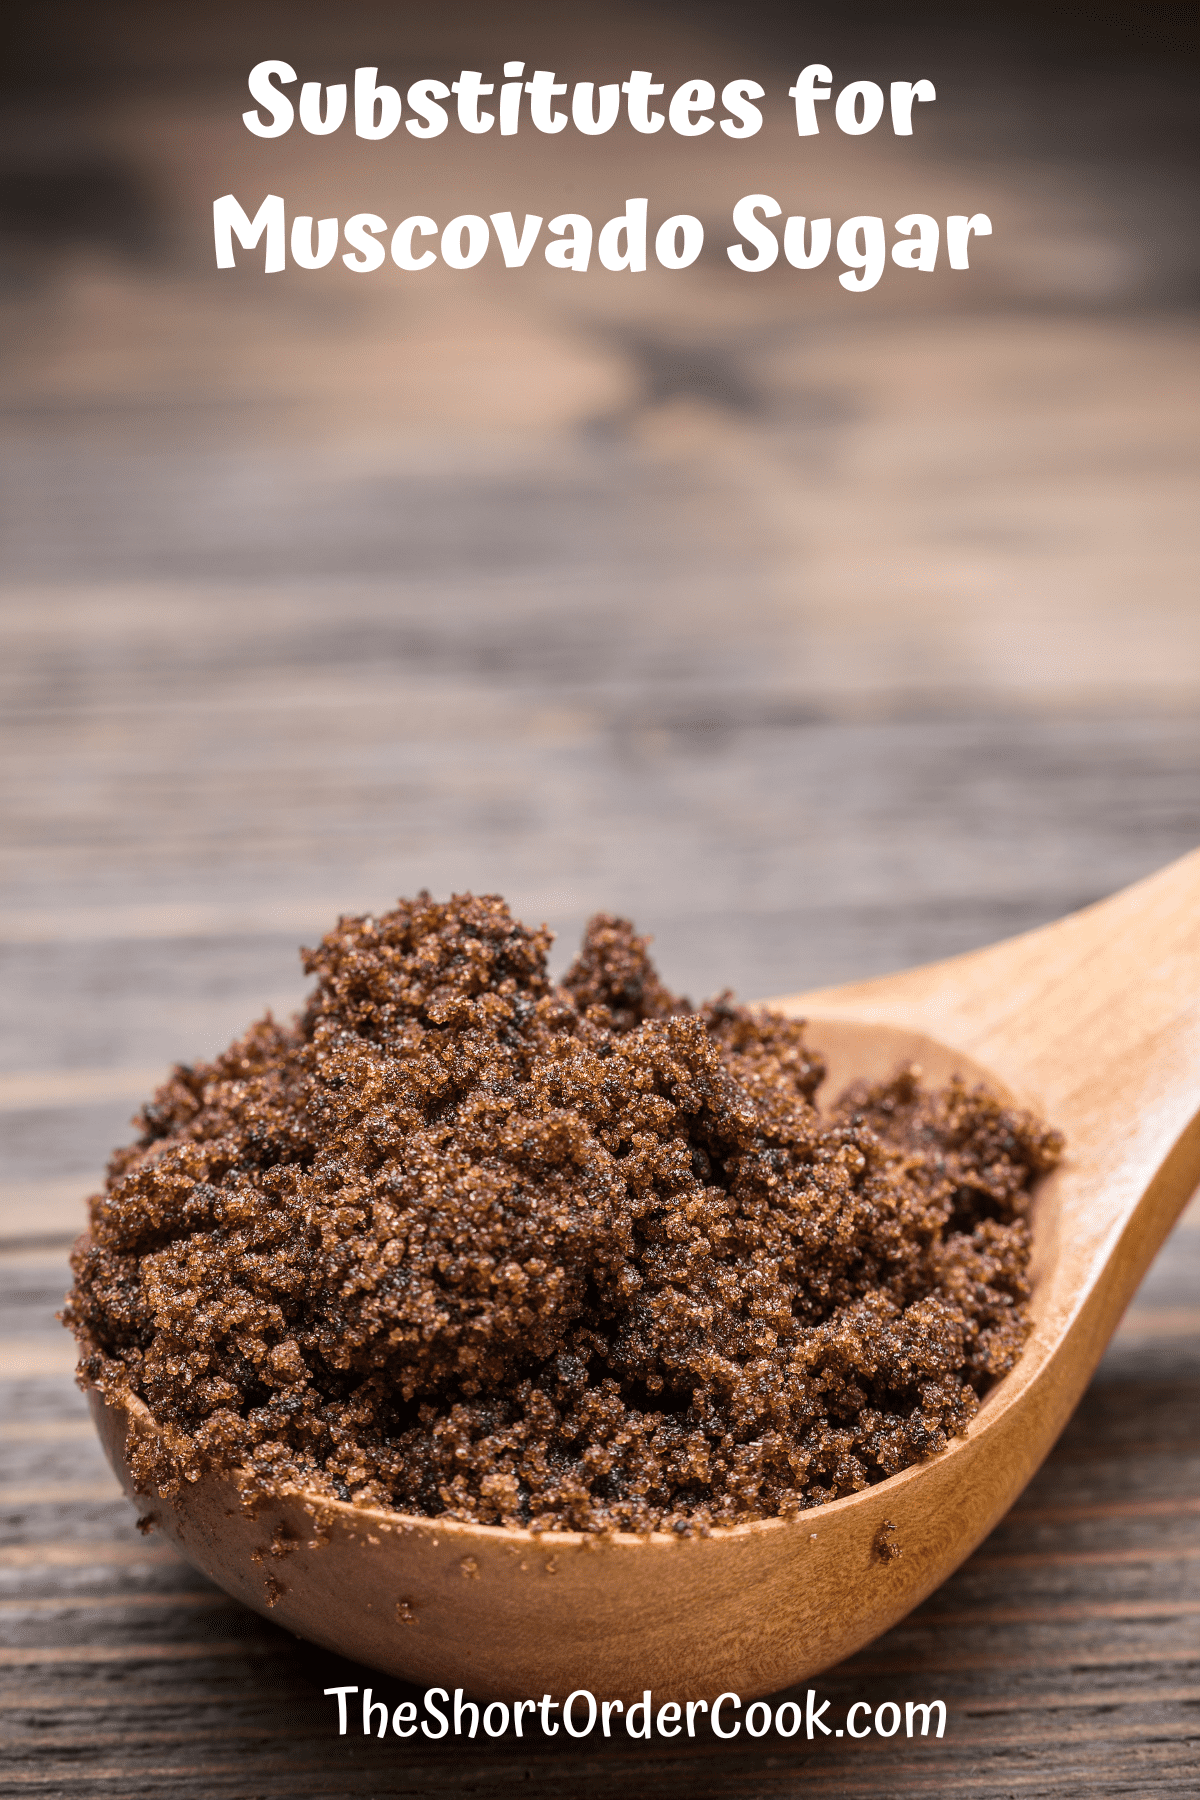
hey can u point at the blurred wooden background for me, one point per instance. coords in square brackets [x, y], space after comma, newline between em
[822, 634]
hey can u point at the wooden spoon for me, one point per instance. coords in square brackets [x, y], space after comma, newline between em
[1095, 1023]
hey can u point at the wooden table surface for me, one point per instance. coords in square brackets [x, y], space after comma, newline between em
[819, 640]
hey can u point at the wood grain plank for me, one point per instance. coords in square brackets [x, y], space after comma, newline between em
[129, 1656]
[1070, 1559]
[185, 1601]
[1186, 1506]
[105, 1554]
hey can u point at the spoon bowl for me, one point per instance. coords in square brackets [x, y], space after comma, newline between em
[1094, 1023]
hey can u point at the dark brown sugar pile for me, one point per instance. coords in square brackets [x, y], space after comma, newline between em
[463, 1242]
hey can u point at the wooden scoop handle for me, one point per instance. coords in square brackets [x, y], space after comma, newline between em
[1094, 1021]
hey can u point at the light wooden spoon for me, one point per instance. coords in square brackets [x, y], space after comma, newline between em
[1095, 1023]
